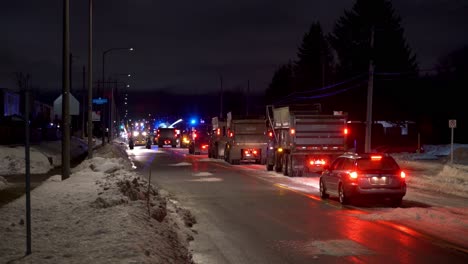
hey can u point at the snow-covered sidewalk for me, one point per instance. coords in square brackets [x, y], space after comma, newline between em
[104, 213]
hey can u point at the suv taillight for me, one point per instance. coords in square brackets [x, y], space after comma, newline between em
[402, 174]
[353, 175]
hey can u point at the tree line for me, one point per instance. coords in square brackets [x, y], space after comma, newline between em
[333, 69]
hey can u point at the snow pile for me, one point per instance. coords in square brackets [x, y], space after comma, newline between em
[13, 162]
[3, 183]
[104, 213]
[428, 220]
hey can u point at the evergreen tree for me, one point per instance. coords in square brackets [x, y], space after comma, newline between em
[351, 39]
[314, 65]
[280, 85]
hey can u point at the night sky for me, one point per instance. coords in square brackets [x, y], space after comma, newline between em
[185, 46]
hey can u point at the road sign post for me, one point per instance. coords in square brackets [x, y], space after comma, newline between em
[452, 126]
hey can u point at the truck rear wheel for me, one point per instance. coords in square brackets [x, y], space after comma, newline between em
[285, 165]
[278, 163]
[291, 171]
[269, 167]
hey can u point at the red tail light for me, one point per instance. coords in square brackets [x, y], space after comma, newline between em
[218, 131]
[292, 131]
[353, 175]
[231, 134]
[255, 152]
[345, 131]
[270, 134]
[246, 152]
[376, 157]
[402, 174]
[204, 146]
[317, 162]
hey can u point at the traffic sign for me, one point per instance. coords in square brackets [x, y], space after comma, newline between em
[100, 100]
[452, 123]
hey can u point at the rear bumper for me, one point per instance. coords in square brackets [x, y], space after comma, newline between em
[352, 190]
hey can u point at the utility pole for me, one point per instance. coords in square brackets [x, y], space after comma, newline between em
[90, 81]
[247, 98]
[221, 96]
[111, 112]
[27, 168]
[66, 92]
[370, 87]
[83, 100]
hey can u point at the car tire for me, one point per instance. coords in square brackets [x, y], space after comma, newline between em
[342, 196]
[396, 202]
[323, 190]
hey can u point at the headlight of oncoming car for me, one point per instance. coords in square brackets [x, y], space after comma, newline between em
[144, 133]
[136, 133]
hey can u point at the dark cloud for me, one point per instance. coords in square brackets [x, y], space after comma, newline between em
[186, 45]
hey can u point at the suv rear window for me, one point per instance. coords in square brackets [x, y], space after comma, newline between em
[386, 163]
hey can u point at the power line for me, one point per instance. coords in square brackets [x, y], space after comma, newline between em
[294, 95]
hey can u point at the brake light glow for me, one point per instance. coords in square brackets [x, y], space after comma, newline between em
[231, 134]
[270, 134]
[345, 131]
[280, 149]
[218, 131]
[402, 174]
[317, 162]
[255, 152]
[376, 157]
[292, 131]
[353, 175]
[204, 146]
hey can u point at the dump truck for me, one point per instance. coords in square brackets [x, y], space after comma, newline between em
[218, 138]
[246, 139]
[303, 139]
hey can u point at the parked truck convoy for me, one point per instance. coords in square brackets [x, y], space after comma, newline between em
[303, 139]
[246, 139]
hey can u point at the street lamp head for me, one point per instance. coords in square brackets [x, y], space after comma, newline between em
[130, 49]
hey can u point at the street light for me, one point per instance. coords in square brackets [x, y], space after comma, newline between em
[104, 75]
[104, 59]
[112, 107]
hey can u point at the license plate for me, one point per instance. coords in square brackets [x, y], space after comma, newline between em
[379, 180]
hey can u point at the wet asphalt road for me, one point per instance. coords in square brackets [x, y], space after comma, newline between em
[245, 215]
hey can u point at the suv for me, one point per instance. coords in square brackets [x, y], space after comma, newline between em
[353, 175]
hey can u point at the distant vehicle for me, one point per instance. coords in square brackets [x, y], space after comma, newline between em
[166, 136]
[199, 142]
[246, 139]
[139, 138]
[369, 175]
[218, 138]
[184, 139]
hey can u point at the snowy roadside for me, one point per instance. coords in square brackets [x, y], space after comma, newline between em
[43, 157]
[104, 213]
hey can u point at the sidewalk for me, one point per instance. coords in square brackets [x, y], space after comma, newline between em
[104, 213]
[45, 161]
